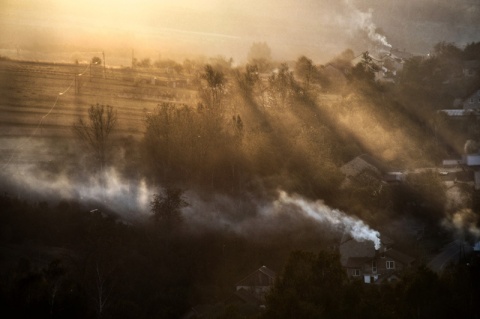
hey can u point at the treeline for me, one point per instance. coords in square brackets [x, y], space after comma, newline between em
[268, 126]
[435, 82]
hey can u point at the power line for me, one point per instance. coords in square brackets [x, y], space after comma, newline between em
[19, 146]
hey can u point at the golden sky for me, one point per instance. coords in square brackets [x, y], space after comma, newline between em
[153, 28]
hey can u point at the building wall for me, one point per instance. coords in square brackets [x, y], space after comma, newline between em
[382, 269]
[473, 101]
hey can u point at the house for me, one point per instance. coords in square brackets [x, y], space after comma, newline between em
[360, 164]
[361, 260]
[472, 102]
[248, 298]
[361, 169]
[256, 285]
[459, 114]
[470, 68]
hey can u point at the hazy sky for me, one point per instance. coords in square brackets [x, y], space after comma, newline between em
[153, 28]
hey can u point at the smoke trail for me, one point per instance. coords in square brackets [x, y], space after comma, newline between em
[336, 218]
[464, 222]
[363, 21]
[128, 197]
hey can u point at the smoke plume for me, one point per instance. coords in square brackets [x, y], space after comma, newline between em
[464, 222]
[128, 198]
[251, 217]
[363, 21]
[323, 214]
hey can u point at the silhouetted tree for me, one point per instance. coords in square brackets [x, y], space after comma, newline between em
[166, 208]
[214, 89]
[311, 286]
[365, 70]
[95, 132]
[281, 85]
[260, 55]
[96, 60]
[305, 70]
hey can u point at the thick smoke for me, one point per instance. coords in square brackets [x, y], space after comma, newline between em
[129, 198]
[323, 214]
[364, 21]
[251, 217]
[464, 222]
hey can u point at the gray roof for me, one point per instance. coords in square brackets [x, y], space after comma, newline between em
[456, 112]
[471, 64]
[357, 262]
[399, 256]
[358, 165]
[255, 280]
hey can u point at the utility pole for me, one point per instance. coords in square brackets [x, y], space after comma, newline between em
[103, 53]
[133, 59]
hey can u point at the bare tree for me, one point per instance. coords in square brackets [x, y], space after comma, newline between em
[96, 130]
[215, 86]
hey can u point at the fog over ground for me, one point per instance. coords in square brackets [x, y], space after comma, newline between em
[321, 29]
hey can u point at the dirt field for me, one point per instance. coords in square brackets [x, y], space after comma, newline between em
[36, 120]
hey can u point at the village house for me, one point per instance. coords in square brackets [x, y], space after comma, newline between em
[366, 168]
[470, 68]
[472, 102]
[256, 285]
[361, 260]
[248, 297]
[362, 167]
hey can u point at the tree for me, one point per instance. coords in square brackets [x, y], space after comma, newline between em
[311, 286]
[365, 70]
[343, 61]
[144, 63]
[259, 51]
[166, 208]
[95, 132]
[215, 86]
[96, 60]
[173, 136]
[260, 55]
[305, 70]
[281, 84]
[246, 81]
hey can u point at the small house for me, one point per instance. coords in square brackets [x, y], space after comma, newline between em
[257, 284]
[361, 260]
[470, 68]
[472, 102]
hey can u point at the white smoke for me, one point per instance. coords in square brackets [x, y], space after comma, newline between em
[129, 198]
[464, 222]
[364, 21]
[248, 216]
[251, 217]
[323, 214]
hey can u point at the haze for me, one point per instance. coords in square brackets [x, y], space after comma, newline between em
[63, 30]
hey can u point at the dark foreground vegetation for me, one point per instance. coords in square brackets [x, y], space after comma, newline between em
[67, 262]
